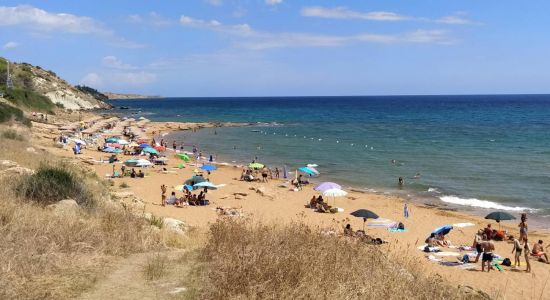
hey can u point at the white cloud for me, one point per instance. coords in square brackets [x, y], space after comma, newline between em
[10, 45]
[258, 40]
[133, 78]
[114, 63]
[345, 13]
[214, 2]
[457, 19]
[273, 2]
[40, 21]
[152, 18]
[92, 80]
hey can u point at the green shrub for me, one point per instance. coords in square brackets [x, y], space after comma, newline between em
[50, 184]
[12, 135]
[9, 113]
[156, 221]
[29, 99]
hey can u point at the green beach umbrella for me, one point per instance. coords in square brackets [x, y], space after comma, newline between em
[183, 156]
[255, 165]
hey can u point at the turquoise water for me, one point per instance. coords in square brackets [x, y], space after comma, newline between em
[476, 152]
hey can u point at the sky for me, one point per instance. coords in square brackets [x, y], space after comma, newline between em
[285, 47]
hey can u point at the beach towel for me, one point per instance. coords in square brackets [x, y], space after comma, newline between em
[462, 225]
[430, 249]
[447, 253]
[396, 230]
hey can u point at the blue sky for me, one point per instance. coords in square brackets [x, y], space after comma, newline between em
[284, 47]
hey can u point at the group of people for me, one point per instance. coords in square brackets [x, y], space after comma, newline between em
[484, 245]
[319, 204]
[437, 240]
[187, 199]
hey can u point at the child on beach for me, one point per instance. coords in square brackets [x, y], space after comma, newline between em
[163, 195]
[517, 248]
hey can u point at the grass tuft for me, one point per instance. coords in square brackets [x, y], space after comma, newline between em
[12, 135]
[124, 185]
[156, 267]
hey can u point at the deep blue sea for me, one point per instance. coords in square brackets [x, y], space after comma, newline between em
[476, 152]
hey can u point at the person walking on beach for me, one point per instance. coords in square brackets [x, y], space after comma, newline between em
[406, 211]
[477, 244]
[487, 257]
[276, 172]
[517, 249]
[264, 174]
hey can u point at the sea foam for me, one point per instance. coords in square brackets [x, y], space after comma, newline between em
[481, 203]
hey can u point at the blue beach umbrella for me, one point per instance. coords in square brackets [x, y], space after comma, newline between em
[307, 170]
[445, 229]
[111, 140]
[144, 145]
[209, 168]
[206, 184]
[150, 150]
[112, 150]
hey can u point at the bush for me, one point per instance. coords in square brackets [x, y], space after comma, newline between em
[50, 184]
[244, 260]
[124, 185]
[29, 99]
[12, 135]
[9, 113]
[156, 267]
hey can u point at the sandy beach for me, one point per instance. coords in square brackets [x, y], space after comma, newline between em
[276, 202]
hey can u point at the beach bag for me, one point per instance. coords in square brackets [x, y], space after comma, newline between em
[466, 258]
[507, 262]
[401, 226]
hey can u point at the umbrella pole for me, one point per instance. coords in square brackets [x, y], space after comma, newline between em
[364, 222]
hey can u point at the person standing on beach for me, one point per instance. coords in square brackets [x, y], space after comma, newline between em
[487, 257]
[477, 244]
[264, 174]
[517, 249]
[163, 195]
[523, 228]
[276, 172]
[406, 211]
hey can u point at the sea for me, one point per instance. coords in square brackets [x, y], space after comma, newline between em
[477, 153]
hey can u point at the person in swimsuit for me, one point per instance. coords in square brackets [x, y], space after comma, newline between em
[526, 253]
[477, 244]
[163, 195]
[487, 257]
[538, 251]
[517, 248]
[523, 227]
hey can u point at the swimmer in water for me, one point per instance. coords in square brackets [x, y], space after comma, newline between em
[393, 161]
[417, 176]
[401, 181]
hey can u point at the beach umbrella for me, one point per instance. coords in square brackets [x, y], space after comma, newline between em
[194, 180]
[312, 165]
[209, 168]
[444, 230]
[111, 140]
[77, 141]
[144, 145]
[150, 150]
[365, 214]
[206, 184]
[159, 148]
[114, 145]
[143, 163]
[123, 142]
[133, 144]
[323, 186]
[181, 186]
[307, 170]
[255, 165]
[183, 156]
[499, 216]
[334, 193]
[130, 162]
[314, 170]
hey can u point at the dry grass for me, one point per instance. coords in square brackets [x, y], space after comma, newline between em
[45, 254]
[245, 260]
[156, 267]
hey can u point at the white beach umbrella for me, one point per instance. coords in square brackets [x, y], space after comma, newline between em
[334, 193]
[78, 141]
[123, 142]
[143, 163]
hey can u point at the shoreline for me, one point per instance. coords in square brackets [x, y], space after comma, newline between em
[405, 194]
[270, 203]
